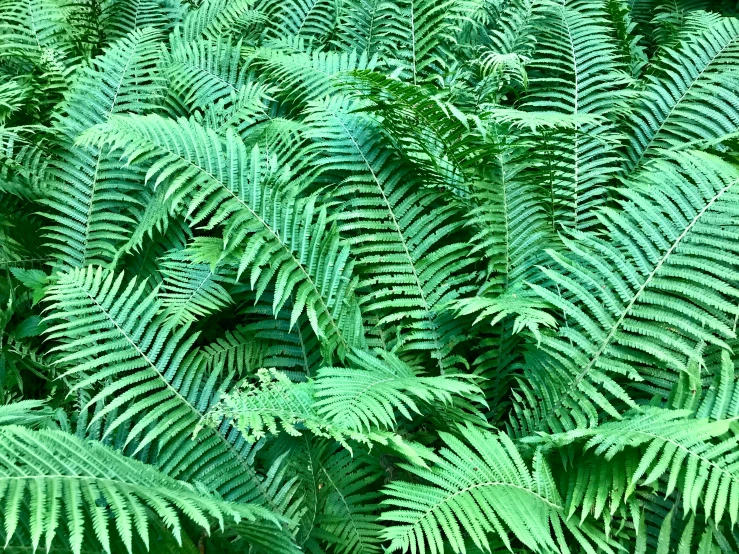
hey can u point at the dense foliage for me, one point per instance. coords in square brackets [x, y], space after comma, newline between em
[363, 276]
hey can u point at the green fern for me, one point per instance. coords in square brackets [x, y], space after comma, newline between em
[691, 97]
[136, 360]
[478, 490]
[618, 327]
[65, 479]
[90, 216]
[258, 221]
[337, 276]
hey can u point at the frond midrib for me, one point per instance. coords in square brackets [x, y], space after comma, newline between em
[465, 490]
[347, 510]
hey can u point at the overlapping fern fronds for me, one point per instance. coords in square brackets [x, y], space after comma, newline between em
[338, 276]
[63, 485]
[637, 305]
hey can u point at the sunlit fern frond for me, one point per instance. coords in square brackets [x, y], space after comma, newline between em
[479, 487]
[132, 360]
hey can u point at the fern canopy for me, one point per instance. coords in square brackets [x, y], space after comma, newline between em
[365, 276]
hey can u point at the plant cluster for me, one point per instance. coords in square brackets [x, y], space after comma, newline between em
[364, 276]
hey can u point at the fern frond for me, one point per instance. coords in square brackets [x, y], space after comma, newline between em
[32, 29]
[356, 404]
[691, 97]
[395, 225]
[670, 445]
[302, 73]
[478, 487]
[315, 20]
[257, 410]
[66, 478]
[217, 18]
[574, 71]
[367, 394]
[347, 496]
[208, 74]
[92, 196]
[282, 240]
[26, 412]
[637, 303]
[154, 386]
[362, 27]
[240, 350]
[416, 28]
[432, 134]
[120, 18]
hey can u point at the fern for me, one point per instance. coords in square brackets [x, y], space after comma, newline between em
[378, 193]
[65, 478]
[482, 489]
[119, 336]
[672, 110]
[320, 284]
[618, 325]
[354, 405]
[190, 291]
[89, 218]
[337, 276]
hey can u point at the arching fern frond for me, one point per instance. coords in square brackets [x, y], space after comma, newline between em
[367, 394]
[258, 408]
[691, 97]
[669, 444]
[85, 483]
[354, 404]
[92, 196]
[155, 387]
[479, 487]
[25, 412]
[281, 240]
[396, 226]
[434, 135]
[636, 304]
